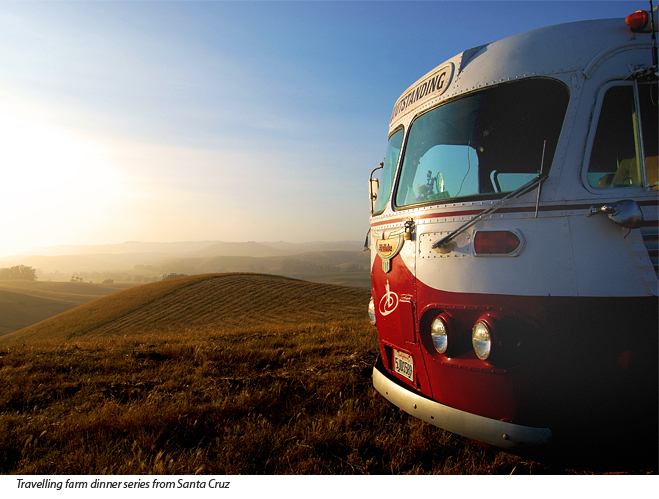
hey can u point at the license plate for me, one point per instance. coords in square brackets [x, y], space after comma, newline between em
[403, 364]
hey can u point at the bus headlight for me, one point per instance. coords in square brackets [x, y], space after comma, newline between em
[439, 335]
[371, 311]
[481, 339]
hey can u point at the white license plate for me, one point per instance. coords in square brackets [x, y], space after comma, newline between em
[403, 364]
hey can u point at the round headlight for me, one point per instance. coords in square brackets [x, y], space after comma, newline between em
[371, 311]
[481, 340]
[439, 335]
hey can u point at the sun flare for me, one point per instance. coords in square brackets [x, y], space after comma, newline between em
[56, 182]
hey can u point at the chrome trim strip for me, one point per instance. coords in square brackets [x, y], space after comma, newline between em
[424, 212]
[489, 431]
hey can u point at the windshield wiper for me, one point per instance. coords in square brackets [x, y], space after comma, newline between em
[526, 188]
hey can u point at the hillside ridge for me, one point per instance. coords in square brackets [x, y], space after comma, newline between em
[85, 318]
[209, 300]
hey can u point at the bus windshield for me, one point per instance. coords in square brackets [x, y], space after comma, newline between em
[483, 145]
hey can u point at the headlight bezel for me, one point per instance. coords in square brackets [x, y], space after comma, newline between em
[483, 344]
[453, 340]
[371, 311]
[435, 333]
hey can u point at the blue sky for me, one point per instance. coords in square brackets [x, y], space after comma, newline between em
[234, 121]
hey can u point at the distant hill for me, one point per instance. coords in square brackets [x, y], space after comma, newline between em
[287, 264]
[59, 263]
[192, 248]
[249, 248]
[237, 299]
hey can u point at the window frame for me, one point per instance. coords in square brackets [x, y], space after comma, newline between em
[388, 202]
[638, 141]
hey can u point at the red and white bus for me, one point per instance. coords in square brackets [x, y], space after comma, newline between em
[514, 242]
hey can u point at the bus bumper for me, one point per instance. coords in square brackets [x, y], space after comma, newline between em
[507, 436]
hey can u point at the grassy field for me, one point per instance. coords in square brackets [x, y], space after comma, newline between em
[216, 374]
[360, 279]
[23, 303]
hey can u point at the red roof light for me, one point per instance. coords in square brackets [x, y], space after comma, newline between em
[638, 20]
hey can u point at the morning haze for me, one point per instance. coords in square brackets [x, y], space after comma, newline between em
[147, 262]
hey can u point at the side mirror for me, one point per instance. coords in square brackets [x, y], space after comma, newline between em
[374, 187]
[625, 213]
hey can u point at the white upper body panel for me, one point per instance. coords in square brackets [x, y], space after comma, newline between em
[574, 250]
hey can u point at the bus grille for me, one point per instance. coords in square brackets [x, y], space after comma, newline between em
[651, 240]
[644, 243]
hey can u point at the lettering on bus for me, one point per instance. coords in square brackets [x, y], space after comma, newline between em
[384, 248]
[435, 85]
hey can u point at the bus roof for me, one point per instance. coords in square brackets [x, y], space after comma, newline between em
[553, 50]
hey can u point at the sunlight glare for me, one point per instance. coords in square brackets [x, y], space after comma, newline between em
[56, 183]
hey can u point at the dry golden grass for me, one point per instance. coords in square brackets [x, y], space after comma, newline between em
[284, 390]
[275, 400]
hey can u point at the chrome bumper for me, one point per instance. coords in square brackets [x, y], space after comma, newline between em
[500, 434]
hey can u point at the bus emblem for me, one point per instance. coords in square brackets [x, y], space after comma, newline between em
[389, 301]
[388, 247]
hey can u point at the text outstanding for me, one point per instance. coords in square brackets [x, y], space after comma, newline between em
[435, 85]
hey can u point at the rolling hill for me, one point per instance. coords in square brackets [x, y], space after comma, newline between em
[23, 303]
[239, 299]
[18, 310]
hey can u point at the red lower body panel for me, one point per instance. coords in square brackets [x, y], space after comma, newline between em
[585, 367]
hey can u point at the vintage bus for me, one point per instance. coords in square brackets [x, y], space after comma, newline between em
[514, 244]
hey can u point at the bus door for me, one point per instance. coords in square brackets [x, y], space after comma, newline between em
[394, 298]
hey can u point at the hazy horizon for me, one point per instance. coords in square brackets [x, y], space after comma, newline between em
[223, 121]
[139, 262]
[169, 246]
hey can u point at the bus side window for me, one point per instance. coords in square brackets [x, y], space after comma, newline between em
[614, 159]
[647, 98]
